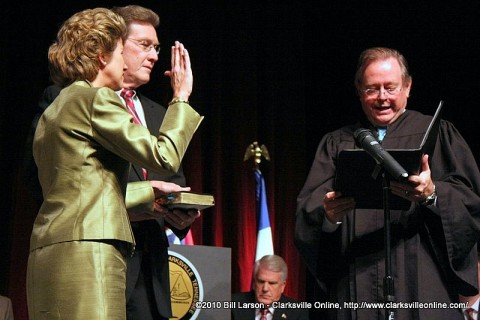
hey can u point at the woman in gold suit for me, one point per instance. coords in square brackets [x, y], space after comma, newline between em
[83, 146]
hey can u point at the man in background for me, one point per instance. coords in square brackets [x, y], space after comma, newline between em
[270, 278]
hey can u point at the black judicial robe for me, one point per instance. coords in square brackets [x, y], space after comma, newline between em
[434, 252]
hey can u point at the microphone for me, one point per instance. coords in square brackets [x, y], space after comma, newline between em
[367, 141]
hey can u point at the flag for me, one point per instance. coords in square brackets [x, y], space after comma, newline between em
[173, 239]
[188, 240]
[264, 233]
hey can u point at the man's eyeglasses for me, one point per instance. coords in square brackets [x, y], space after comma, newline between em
[374, 92]
[145, 45]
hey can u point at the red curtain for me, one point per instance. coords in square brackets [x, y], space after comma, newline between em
[232, 222]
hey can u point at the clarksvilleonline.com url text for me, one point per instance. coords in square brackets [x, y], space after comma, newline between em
[332, 305]
[405, 305]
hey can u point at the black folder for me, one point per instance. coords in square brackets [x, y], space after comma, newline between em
[357, 171]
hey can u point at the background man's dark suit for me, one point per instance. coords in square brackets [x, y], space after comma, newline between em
[149, 264]
[30, 170]
[279, 314]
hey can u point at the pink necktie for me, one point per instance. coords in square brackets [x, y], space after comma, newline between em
[469, 313]
[127, 95]
[264, 314]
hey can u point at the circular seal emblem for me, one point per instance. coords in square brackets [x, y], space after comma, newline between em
[186, 287]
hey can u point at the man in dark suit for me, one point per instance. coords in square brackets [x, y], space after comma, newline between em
[267, 301]
[148, 284]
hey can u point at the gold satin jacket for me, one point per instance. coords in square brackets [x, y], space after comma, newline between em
[83, 145]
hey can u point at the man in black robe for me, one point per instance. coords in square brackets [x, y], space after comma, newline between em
[433, 243]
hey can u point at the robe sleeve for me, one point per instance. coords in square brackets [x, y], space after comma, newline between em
[455, 234]
[311, 242]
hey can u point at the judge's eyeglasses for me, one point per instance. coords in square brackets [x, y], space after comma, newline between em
[374, 92]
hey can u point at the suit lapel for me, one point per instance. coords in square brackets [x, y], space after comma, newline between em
[152, 119]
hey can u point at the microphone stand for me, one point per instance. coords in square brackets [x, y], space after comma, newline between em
[365, 138]
[388, 282]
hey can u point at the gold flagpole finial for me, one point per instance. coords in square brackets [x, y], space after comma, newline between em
[257, 152]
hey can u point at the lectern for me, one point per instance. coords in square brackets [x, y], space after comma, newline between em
[200, 282]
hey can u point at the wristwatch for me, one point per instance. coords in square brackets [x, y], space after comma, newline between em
[431, 199]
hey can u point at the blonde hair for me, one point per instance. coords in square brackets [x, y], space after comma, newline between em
[81, 39]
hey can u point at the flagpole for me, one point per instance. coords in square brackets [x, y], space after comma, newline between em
[257, 152]
[264, 231]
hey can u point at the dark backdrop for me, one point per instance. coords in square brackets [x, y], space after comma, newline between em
[280, 73]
